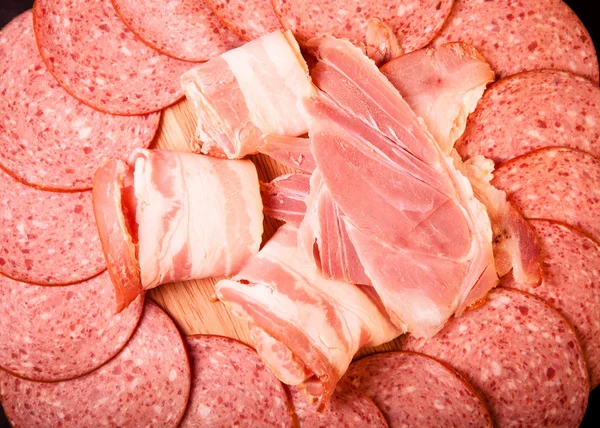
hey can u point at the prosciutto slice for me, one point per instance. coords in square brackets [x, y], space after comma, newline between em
[248, 93]
[423, 238]
[306, 328]
[169, 216]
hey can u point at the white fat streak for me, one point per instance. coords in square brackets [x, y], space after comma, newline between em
[272, 113]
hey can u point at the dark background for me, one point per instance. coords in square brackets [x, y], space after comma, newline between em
[584, 8]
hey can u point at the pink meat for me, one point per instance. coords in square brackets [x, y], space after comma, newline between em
[284, 197]
[48, 238]
[293, 152]
[415, 390]
[531, 110]
[232, 387]
[570, 262]
[58, 333]
[527, 35]
[348, 408]
[442, 85]
[415, 22]
[521, 355]
[248, 19]
[554, 183]
[248, 93]
[93, 55]
[182, 216]
[146, 384]
[426, 229]
[183, 29]
[49, 139]
[382, 45]
[306, 328]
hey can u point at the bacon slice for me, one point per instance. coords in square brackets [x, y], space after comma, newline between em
[305, 327]
[169, 216]
[442, 85]
[424, 239]
[248, 93]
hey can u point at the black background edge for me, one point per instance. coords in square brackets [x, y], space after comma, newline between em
[585, 9]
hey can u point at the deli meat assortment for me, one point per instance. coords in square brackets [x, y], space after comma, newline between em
[441, 192]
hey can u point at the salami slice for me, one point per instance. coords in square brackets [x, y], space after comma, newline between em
[554, 183]
[415, 22]
[146, 384]
[58, 333]
[571, 270]
[521, 355]
[520, 35]
[415, 390]
[347, 408]
[232, 387]
[248, 19]
[183, 29]
[48, 238]
[100, 62]
[531, 110]
[49, 139]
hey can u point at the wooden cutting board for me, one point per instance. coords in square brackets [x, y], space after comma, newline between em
[193, 304]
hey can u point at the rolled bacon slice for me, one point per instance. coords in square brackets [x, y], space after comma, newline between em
[169, 216]
[305, 328]
[248, 93]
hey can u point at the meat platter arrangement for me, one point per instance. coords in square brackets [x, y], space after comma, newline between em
[379, 214]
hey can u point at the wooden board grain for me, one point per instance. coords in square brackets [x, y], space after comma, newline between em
[193, 304]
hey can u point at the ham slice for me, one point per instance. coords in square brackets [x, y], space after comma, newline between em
[306, 328]
[442, 85]
[168, 216]
[248, 93]
[426, 241]
[284, 197]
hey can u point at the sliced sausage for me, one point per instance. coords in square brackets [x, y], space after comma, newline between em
[249, 19]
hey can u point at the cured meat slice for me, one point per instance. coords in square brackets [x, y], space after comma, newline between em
[58, 333]
[554, 183]
[305, 328]
[528, 35]
[348, 408]
[415, 390]
[293, 152]
[571, 278]
[415, 22]
[382, 44]
[50, 140]
[48, 238]
[521, 355]
[248, 19]
[183, 29]
[531, 110]
[427, 228]
[248, 93]
[81, 41]
[146, 384]
[284, 197]
[169, 216]
[232, 387]
[442, 85]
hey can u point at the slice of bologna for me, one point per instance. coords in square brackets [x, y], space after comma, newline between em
[248, 19]
[48, 238]
[415, 390]
[231, 386]
[183, 29]
[415, 22]
[554, 183]
[571, 270]
[347, 408]
[146, 384]
[93, 55]
[59, 333]
[520, 35]
[521, 355]
[531, 110]
[49, 139]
